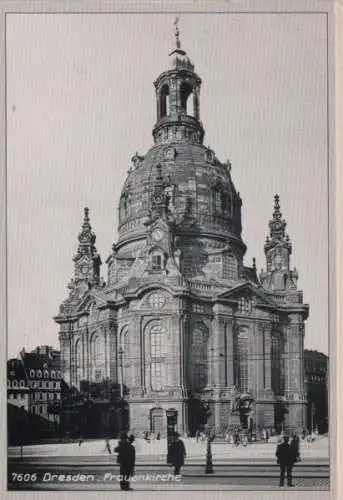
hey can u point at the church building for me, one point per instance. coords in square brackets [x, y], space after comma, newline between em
[181, 322]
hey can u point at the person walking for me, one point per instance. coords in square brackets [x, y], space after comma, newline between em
[285, 459]
[177, 454]
[126, 459]
[267, 435]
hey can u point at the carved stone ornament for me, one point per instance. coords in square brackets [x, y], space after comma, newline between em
[136, 161]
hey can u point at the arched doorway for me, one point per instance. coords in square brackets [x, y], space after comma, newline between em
[196, 412]
[156, 420]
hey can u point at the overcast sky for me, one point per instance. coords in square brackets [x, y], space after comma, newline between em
[81, 102]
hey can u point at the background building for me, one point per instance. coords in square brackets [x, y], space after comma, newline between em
[182, 323]
[33, 395]
[316, 380]
[17, 384]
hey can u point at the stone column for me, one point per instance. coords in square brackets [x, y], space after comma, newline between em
[229, 352]
[181, 323]
[219, 353]
[112, 346]
[173, 95]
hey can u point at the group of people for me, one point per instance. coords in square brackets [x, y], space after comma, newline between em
[126, 457]
[287, 454]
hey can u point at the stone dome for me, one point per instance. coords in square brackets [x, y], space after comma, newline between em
[200, 194]
[197, 182]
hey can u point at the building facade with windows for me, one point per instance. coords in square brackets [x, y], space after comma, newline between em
[181, 321]
[17, 384]
[42, 369]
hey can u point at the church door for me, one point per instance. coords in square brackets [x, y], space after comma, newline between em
[156, 420]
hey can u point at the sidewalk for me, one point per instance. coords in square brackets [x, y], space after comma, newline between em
[156, 450]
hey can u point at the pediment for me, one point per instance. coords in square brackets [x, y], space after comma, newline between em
[94, 299]
[248, 290]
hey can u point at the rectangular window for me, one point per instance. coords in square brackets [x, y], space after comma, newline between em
[98, 376]
[156, 262]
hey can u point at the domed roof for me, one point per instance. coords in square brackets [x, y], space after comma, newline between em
[196, 181]
[194, 185]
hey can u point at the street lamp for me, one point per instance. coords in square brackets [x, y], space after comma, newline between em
[209, 463]
[121, 406]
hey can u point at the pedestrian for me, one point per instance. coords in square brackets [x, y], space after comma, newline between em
[285, 459]
[295, 445]
[146, 437]
[158, 437]
[267, 435]
[177, 454]
[197, 435]
[108, 446]
[126, 459]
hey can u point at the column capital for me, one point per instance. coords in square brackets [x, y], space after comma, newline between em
[264, 326]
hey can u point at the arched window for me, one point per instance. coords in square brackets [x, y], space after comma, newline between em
[46, 374]
[39, 373]
[78, 359]
[15, 383]
[22, 383]
[241, 360]
[157, 357]
[216, 200]
[32, 373]
[199, 358]
[53, 375]
[277, 365]
[187, 102]
[96, 349]
[164, 101]
[124, 355]
[227, 203]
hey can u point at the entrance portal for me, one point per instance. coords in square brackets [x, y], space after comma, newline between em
[156, 420]
[196, 416]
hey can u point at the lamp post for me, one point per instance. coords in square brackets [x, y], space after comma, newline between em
[121, 352]
[209, 463]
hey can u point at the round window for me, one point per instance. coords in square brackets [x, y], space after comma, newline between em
[157, 300]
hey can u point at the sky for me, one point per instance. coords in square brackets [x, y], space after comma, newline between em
[81, 102]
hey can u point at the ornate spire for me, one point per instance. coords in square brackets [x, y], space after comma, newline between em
[277, 225]
[87, 260]
[86, 237]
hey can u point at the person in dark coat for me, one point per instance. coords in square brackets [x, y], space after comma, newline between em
[285, 458]
[126, 459]
[177, 454]
[295, 445]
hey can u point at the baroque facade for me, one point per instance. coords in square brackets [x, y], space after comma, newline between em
[181, 321]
